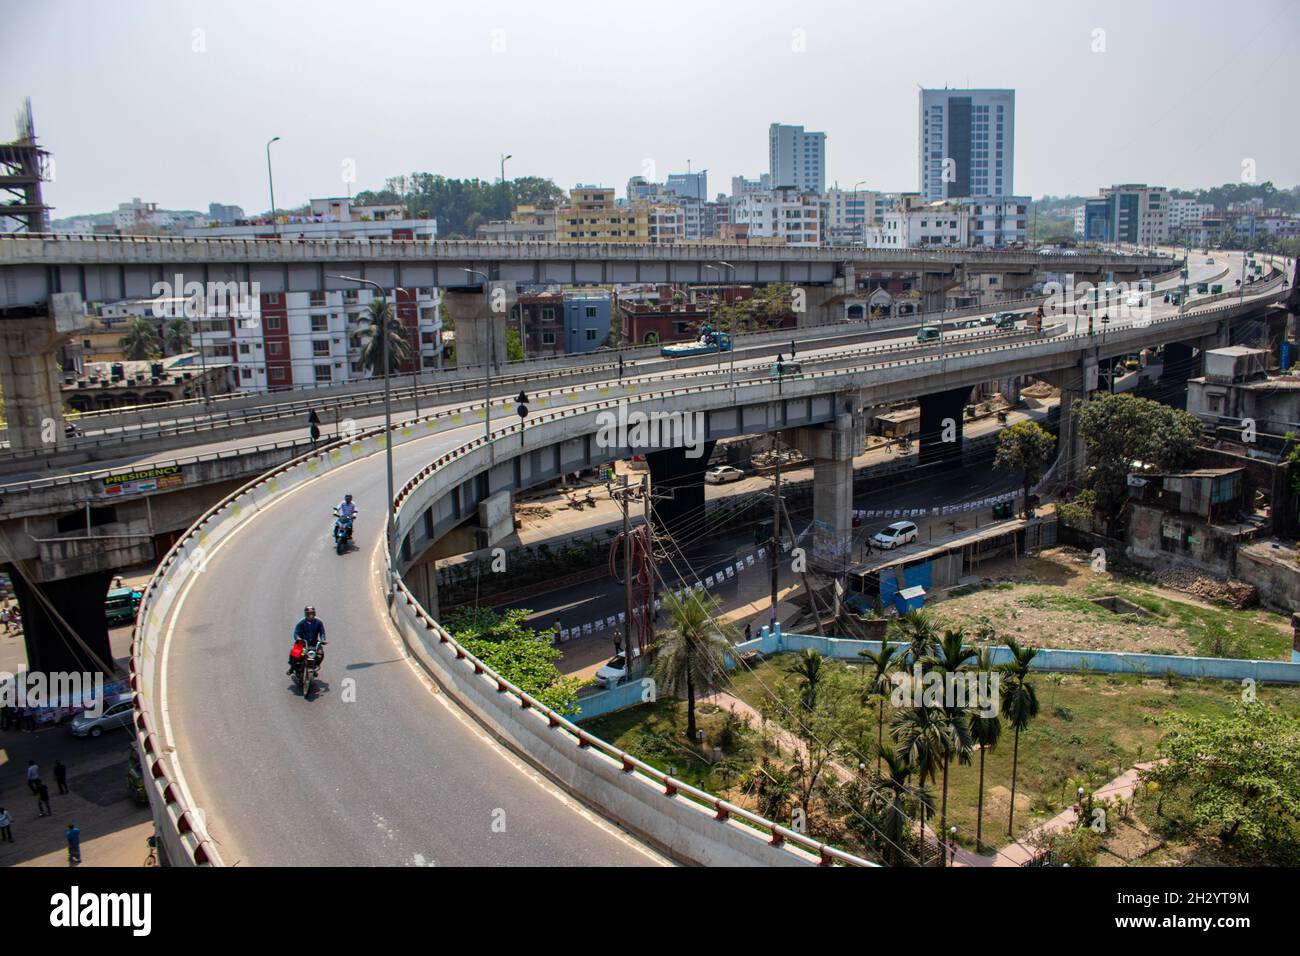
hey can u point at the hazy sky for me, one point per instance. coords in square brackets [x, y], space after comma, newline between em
[174, 101]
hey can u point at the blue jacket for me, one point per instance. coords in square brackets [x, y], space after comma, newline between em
[309, 632]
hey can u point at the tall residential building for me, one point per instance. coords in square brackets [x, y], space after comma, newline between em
[785, 214]
[998, 221]
[966, 143]
[914, 223]
[689, 185]
[796, 158]
[1186, 212]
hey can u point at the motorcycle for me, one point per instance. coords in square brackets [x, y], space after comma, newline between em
[308, 666]
[342, 532]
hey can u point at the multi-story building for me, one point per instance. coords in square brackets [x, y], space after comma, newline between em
[593, 216]
[740, 185]
[128, 215]
[689, 185]
[1183, 212]
[796, 158]
[966, 143]
[668, 222]
[224, 215]
[846, 214]
[330, 218]
[998, 221]
[785, 214]
[527, 223]
[916, 224]
[1130, 213]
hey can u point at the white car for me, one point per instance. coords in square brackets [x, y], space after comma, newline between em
[615, 671]
[897, 534]
[722, 474]
[115, 712]
[1209, 261]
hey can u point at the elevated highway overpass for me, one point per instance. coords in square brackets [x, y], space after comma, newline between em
[231, 589]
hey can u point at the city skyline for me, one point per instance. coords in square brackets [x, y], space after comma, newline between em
[367, 120]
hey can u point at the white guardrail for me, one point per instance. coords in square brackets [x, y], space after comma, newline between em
[646, 799]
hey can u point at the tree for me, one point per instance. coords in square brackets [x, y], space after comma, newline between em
[176, 336]
[808, 670]
[369, 338]
[1080, 511]
[1025, 447]
[893, 816]
[985, 730]
[879, 681]
[689, 658]
[525, 657]
[141, 341]
[948, 658]
[1121, 430]
[918, 631]
[820, 728]
[923, 738]
[514, 346]
[1019, 704]
[1239, 776]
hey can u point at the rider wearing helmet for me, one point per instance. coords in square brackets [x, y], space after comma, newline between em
[310, 632]
[346, 508]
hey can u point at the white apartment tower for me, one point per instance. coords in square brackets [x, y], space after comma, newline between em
[967, 143]
[796, 158]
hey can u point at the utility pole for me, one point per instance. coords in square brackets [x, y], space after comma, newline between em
[627, 572]
[776, 525]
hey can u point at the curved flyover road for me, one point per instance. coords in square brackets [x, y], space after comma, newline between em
[378, 768]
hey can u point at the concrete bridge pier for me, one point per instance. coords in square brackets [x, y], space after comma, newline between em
[1076, 384]
[63, 622]
[480, 317]
[941, 434]
[422, 581]
[671, 471]
[935, 284]
[30, 375]
[1181, 362]
[832, 448]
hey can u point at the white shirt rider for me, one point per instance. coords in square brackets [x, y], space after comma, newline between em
[346, 508]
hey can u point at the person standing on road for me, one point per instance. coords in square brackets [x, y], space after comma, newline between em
[6, 822]
[313, 422]
[42, 800]
[61, 776]
[620, 368]
[74, 843]
[33, 776]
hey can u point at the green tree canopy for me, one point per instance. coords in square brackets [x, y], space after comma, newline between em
[1025, 447]
[141, 341]
[525, 657]
[1121, 430]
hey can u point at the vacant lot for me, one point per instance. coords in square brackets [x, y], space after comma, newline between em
[1047, 601]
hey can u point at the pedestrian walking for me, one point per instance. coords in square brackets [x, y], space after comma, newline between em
[313, 422]
[620, 368]
[749, 632]
[6, 822]
[33, 776]
[5, 716]
[74, 843]
[29, 719]
[61, 776]
[42, 800]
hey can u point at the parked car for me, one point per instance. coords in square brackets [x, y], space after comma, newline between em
[116, 712]
[897, 534]
[723, 474]
[615, 671]
[927, 333]
[1210, 261]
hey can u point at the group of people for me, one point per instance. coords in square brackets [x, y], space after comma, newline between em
[11, 619]
[41, 792]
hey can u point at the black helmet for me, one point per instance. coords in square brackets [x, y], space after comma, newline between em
[308, 610]
[347, 497]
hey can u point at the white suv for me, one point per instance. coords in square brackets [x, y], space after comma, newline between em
[897, 534]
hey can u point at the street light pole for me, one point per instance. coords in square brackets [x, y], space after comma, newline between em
[390, 528]
[270, 181]
[731, 377]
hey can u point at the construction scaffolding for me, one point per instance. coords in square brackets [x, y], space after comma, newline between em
[23, 167]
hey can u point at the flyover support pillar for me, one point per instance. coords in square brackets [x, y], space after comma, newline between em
[674, 473]
[832, 447]
[941, 429]
[63, 622]
[1076, 384]
[30, 375]
[480, 319]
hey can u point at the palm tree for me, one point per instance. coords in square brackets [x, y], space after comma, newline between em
[369, 338]
[140, 341]
[985, 730]
[176, 336]
[883, 662]
[808, 668]
[689, 658]
[948, 658]
[923, 736]
[918, 630]
[1020, 704]
[894, 819]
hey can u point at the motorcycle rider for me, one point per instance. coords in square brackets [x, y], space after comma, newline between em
[309, 632]
[346, 509]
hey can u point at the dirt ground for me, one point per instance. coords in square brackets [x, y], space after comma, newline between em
[1066, 579]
